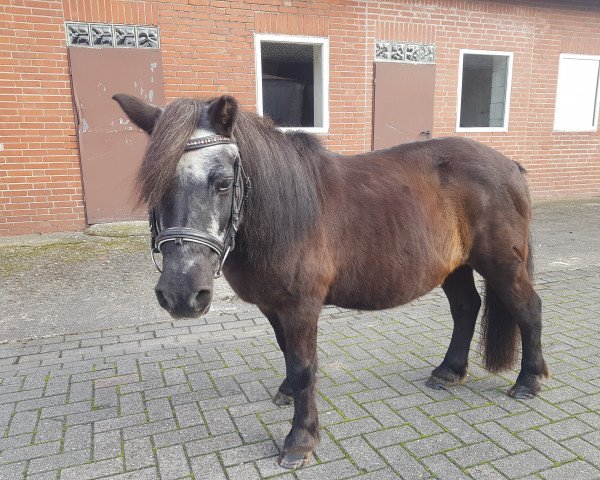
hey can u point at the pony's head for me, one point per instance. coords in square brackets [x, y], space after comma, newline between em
[187, 181]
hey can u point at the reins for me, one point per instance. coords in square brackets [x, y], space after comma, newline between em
[241, 188]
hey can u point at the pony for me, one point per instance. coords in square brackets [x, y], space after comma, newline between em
[294, 227]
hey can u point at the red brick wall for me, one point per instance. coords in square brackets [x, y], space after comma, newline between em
[40, 177]
[208, 48]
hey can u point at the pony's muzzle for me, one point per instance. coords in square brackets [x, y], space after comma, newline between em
[184, 304]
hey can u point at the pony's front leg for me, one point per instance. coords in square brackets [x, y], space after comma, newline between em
[284, 395]
[300, 327]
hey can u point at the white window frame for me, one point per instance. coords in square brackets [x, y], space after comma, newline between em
[321, 70]
[508, 90]
[594, 127]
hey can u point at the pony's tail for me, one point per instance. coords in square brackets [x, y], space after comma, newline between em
[500, 334]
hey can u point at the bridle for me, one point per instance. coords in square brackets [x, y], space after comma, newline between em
[241, 188]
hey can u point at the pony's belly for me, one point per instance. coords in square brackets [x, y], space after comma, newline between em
[362, 300]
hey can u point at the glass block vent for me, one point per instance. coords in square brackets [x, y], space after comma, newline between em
[102, 35]
[125, 36]
[78, 33]
[109, 35]
[147, 37]
[404, 52]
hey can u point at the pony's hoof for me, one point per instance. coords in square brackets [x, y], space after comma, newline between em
[294, 460]
[437, 383]
[449, 379]
[281, 399]
[522, 392]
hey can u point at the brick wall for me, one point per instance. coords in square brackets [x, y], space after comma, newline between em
[208, 48]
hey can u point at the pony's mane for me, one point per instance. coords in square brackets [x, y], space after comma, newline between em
[284, 169]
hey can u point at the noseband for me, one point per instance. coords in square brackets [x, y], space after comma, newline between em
[241, 188]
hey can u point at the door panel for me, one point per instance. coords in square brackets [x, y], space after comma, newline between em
[403, 104]
[110, 146]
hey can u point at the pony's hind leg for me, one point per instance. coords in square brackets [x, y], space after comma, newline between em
[284, 395]
[511, 307]
[465, 302]
[524, 306]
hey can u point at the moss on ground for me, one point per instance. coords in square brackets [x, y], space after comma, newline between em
[15, 259]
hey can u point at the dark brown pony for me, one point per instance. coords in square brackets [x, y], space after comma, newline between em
[369, 231]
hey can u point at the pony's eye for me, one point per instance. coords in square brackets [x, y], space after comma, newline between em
[224, 185]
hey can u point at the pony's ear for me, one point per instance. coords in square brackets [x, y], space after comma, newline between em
[223, 114]
[139, 112]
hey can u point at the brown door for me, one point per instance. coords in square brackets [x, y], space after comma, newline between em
[110, 146]
[403, 106]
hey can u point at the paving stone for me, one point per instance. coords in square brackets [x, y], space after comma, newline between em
[41, 476]
[149, 473]
[522, 421]
[159, 409]
[107, 445]
[188, 415]
[213, 444]
[208, 466]
[478, 453]
[29, 452]
[93, 470]
[502, 437]
[48, 430]
[384, 414]
[566, 429]
[430, 445]
[365, 458]
[251, 429]
[23, 422]
[332, 471]
[138, 453]
[13, 471]
[174, 437]
[484, 472]
[442, 467]
[584, 449]
[245, 471]
[59, 461]
[172, 462]
[578, 469]
[521, 464]
[327, 450]
[77, 437]
[353, 427]
[460, 429]
[149, 429]
[392, 436]
[401, 461]
[248, 453]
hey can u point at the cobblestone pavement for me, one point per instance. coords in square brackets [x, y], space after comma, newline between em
[191, 399]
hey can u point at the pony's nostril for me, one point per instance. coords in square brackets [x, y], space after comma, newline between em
[202, 299]
[162, 299]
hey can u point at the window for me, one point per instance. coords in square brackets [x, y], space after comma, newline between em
[483, 91]
[292, 77]
[577, 93]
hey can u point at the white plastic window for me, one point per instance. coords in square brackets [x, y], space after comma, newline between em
[483, 90]
[292, 81]
[577, 93]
